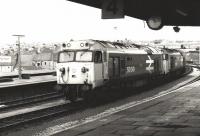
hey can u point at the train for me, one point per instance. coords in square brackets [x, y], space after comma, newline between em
[85, 66]
[192, 57]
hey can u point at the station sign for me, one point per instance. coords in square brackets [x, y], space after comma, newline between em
[112, 9]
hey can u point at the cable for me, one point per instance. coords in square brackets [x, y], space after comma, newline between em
[62, 76]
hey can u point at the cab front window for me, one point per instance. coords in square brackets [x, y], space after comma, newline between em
[66, 56]
[83, 56]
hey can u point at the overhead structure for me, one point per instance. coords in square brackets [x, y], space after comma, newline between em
[156, 13]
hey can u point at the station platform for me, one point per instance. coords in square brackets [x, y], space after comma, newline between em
[170, 113]
[32, 80]
[31, 72]
[42, 77]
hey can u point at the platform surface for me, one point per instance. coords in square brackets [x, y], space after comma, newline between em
[15, 73]
[173, 113]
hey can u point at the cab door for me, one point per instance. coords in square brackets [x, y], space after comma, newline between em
[114, 67]
[105, 65]
[98, 68]
[165, 64]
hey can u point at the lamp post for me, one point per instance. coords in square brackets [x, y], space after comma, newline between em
[199, 56]
[116, 29]
[19, 55]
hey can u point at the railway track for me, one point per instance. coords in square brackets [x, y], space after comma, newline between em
[38, 115]
[7, 105]
[46, 113]
[189, 71]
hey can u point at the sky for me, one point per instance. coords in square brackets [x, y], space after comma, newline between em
[60, 20]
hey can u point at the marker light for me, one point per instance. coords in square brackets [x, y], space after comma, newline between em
[68, 45]
[82, 44]
[63, 45]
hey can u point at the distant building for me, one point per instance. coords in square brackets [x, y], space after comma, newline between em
[46, 60]
[32, 58]
[191, 56]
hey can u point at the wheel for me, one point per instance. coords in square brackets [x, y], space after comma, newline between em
[90, 97]
[87, 97]
[66, 93]
[70, 93]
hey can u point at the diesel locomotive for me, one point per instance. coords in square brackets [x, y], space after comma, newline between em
[86, 65]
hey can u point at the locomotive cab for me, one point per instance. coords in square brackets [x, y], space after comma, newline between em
[173, 62]
[81, 69]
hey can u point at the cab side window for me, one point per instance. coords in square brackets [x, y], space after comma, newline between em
[98, 57]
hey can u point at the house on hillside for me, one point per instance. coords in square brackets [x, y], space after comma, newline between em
[26, 61]
[46, 57]
[45, 60]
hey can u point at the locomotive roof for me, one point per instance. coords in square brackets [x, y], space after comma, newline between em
[131, 48]
[171, 51]
[112, 47]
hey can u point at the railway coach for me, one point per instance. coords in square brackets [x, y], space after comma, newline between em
[87, 65]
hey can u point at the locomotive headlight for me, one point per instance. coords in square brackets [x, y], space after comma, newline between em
[84, 69]
[62, 70]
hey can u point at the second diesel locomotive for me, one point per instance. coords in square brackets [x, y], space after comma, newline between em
[84, 66]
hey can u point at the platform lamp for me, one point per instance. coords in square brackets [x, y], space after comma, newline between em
[19, 54]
